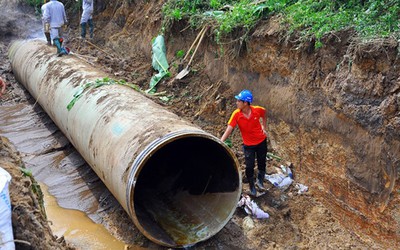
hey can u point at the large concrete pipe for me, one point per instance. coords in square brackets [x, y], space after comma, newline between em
[179, 184]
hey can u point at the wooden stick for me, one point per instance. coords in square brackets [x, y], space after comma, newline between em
[99, 48]
[197, 46]
[194, 42]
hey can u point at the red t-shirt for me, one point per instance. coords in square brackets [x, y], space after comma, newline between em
[250, 128]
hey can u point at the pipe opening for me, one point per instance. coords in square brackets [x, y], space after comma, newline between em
[186, 191]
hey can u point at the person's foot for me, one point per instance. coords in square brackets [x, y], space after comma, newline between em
[253, 191]
[64, 51]
[260, 184]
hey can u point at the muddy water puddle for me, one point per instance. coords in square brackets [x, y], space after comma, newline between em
[76, 227]
[78, 203]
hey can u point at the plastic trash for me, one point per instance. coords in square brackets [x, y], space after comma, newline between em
[301, 188]
[271, 155]
[159, 62]
[6, 231]
[275, 179]
[285, 183]
[252, 208]
[287, 171]
[283, 179]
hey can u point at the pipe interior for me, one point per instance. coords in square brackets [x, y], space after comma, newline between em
[186, 191]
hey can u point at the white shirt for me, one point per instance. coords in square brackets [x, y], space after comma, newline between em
[54, 13]
[87, 6]
[43, 12]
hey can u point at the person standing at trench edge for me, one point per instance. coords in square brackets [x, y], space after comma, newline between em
[251, 121]
[87, 18]
[46, 26]
[55, 19]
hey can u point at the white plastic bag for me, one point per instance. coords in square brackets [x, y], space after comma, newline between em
[285, 183]
[6, 232]
[275, 179]
[287, 171]
[301, 188]
[283, 179]
[252, 208]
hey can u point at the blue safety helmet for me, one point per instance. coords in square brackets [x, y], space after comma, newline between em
[245, 95]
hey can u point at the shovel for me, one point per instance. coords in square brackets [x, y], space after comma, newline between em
[186, 70]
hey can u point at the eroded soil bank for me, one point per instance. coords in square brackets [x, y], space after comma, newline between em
[334, 113]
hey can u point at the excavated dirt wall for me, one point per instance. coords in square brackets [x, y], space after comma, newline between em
[334, 112]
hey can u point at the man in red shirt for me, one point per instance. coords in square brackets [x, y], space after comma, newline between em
[252, 124]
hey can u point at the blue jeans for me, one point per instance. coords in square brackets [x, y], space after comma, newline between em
[250, 154]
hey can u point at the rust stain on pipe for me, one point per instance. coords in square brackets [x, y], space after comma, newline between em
[179, 184]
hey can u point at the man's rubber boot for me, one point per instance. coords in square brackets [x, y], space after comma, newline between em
[64, 51]
[60, 50]
[47, 34]
[260, 180]
[83, 30]
[91, 28]
[253, 191]
[57, 43]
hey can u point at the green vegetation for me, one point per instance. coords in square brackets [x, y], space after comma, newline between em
[310, 19]
[35, 188]
[180, 53]
[98, 83]
[37, 4]
[109, 81]
[71, 5]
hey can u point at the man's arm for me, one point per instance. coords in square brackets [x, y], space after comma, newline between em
[46, 15]
[264, 123]
[227, 133]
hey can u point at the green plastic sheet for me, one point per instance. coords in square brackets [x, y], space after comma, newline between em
[159, 62]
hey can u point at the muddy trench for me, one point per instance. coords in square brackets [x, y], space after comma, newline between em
[333, 114]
